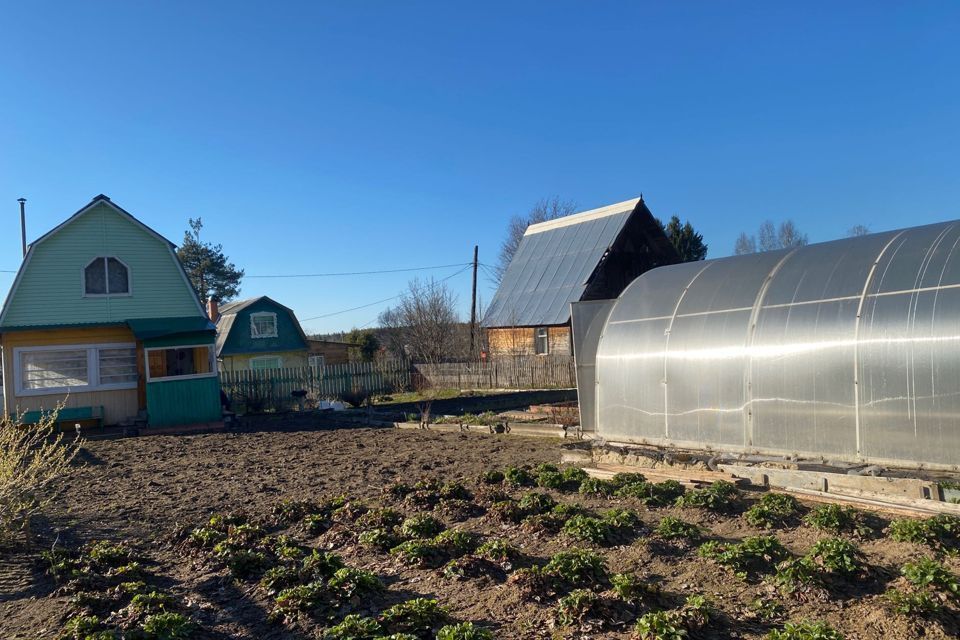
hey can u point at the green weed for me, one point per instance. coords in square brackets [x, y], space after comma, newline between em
[805, 631]
[464, 631]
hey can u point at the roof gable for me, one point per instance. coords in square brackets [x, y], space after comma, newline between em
[557, 260]
[48, 288]
[233, 328]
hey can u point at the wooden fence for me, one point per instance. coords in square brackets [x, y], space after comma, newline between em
[273, 389]
[514, 372]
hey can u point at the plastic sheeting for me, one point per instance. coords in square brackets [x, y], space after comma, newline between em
[848, 350]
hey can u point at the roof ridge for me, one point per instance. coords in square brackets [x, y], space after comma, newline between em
[584, 216]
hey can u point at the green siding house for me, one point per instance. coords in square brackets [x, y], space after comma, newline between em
[102, 317]
[260, 333]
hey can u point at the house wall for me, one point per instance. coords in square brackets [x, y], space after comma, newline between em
[332, 352]
[241, 362]
[519, 341]
[50, 288]
[117, 405]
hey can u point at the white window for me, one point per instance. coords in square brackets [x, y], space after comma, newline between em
[317, 361]
[263, 325]
[265, 362]
[117, 365]
[542, 341]
[47, 370]
[106, 276]
[179, 363]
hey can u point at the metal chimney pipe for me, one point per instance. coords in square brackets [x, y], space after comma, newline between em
[23, 225]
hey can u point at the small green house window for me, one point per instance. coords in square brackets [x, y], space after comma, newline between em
[267, 362]
[105, 276]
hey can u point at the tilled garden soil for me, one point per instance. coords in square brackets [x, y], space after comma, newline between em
[148, 491]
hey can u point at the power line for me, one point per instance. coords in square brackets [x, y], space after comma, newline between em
[371, 304]
[357, 273]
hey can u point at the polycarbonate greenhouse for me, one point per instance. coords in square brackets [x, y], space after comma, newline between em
[849, 350]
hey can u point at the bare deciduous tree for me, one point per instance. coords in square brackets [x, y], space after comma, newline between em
[858, 230]
[429, 331]
[767, 237]
[543, 210]
[770, 238]
[745, 244]
[425, 322]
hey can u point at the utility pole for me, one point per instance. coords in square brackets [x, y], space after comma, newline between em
[473, 305]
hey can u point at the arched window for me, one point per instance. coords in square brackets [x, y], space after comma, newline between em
[106, 277]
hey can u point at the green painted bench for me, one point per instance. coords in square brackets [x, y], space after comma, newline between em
[86, 416]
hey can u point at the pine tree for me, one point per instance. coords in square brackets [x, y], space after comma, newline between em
[210, 272]
[688, 243]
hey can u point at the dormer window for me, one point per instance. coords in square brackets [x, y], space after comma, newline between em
[263, 325]
[106, 276]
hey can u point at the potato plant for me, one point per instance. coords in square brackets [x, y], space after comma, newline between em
[418, 616]
[772, 510]
[719, 496]
[573, 608]
[753, 555]
[941, 532]
[929, 586]
[838, 519]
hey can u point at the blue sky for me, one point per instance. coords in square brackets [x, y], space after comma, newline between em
[318, 137]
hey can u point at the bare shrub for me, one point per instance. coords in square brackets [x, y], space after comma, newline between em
[31, 458]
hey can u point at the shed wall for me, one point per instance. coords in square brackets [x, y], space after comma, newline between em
[848, 350]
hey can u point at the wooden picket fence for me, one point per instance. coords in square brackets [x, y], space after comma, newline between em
[513, 372]
[273, 389]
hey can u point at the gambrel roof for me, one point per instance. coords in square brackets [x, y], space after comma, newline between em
[73, 309]
[227, 321]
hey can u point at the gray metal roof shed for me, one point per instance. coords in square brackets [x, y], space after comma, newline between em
[560, 261]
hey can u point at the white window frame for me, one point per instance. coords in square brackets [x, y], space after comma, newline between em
[93, 369]
[83, 280]
[317, 360]
[193, 376]
[260, 358]
[263, 314]
[546, 338]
